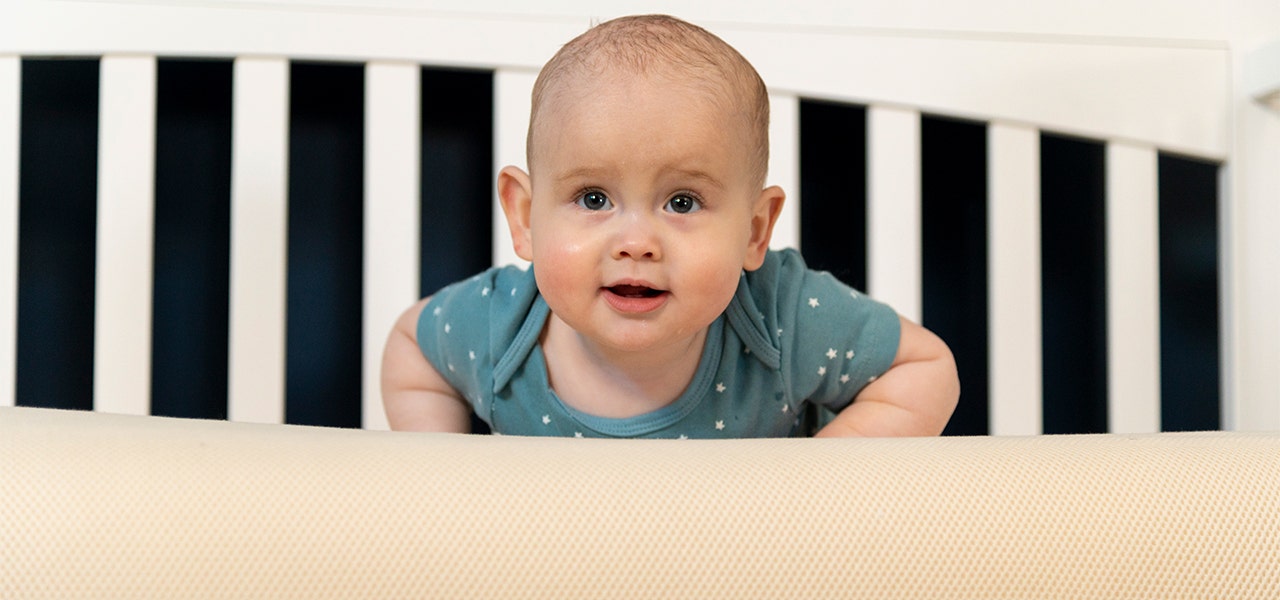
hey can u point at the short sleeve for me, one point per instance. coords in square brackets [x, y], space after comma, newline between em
[466, 328]
[834, 339]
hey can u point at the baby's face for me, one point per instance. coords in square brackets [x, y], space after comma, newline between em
[642, 210]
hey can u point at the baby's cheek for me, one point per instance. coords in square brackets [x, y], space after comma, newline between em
[553, 282]
[561, 248]
[716, 286]
[560, 272]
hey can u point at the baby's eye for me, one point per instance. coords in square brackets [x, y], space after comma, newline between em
[594, 200]
[683, 203]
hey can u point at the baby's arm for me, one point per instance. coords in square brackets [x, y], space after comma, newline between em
[414, 394]
[915, 397]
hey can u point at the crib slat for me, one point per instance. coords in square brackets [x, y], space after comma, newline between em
[391, 214]
[893, 208]
[10, 119]
[511, 92]
[784, 166]
[1013, 182]
[126, 226]
[1133, 290]
[259, 193]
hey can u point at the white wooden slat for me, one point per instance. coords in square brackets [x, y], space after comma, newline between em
[511, 93]
[1013, 271]
[893, 209]
[1133, 290]
[784, 166]
[391, 214]
[1250, 253]
[259, 222]
[10, 125]
[126, 226]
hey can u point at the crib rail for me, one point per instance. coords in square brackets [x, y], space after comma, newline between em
[1144, 89]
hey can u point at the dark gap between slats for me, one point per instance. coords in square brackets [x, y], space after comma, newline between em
[1190, 347]
[458, 180]
[57, 233]
[325, 247]
[1073, 284]
[192, 239]
[833, 189]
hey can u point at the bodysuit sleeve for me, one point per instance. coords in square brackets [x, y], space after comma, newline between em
[467, 327]
[834, 340]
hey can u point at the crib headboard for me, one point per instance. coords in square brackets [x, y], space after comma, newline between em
[990, 147]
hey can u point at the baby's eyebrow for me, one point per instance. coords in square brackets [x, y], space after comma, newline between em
[601, 173]
[583, 173]
[698, 175]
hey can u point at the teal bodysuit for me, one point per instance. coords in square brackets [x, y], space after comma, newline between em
[790, 337]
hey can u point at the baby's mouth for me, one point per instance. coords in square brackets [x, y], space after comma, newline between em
[635, 291]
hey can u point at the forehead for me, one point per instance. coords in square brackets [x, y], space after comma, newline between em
[578, 78]
[640, 116]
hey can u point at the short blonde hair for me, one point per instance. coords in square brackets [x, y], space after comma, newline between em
[644, 43]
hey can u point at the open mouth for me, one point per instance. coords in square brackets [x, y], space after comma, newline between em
[635, 291]
[630, 298]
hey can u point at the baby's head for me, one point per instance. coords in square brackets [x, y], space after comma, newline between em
[663, 47]
[644, 201]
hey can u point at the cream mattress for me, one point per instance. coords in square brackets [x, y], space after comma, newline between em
[106, 506]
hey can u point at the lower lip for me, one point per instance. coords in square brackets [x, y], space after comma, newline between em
[635, 305]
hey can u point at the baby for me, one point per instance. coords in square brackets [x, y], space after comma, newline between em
[653, 306]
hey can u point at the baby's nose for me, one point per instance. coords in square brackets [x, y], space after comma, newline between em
[638, 240]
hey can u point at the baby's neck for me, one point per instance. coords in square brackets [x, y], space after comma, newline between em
[617, 384]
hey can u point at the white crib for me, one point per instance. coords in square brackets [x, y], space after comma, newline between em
[1142, 77]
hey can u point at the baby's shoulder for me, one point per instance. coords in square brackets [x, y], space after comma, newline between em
[784, 281]
[488, 303]
[500, 287]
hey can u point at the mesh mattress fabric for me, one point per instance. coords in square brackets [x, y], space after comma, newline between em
[95, 505]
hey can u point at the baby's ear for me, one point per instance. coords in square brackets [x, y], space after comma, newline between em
[763, 217]
[516, 192]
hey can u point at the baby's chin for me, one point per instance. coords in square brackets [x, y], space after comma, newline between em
[626, 335]
[672, 343]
